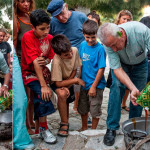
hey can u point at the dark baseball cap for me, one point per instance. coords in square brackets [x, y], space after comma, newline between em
[55, 7]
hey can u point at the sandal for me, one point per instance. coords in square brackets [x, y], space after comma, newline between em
[125, 108]
[61, 129]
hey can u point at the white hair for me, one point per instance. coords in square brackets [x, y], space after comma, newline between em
[64, 5]
[106, 30]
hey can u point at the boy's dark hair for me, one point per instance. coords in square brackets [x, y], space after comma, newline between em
[93, 14]
[38, 17]
[60, 44]
[90, 27]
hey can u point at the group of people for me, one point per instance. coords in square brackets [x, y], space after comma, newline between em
[68, 40]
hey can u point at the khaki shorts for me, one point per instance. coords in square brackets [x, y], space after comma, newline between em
[90, 104]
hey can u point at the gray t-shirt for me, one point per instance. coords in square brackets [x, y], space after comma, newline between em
[3, 65]
[138, 41]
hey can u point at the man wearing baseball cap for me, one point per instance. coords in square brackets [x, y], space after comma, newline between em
[66, 22]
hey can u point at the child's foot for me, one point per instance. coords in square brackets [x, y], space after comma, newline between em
[75, 110]
[63, 130]
[32, 125]
[30, 131]
[82, 129]
[125, 108]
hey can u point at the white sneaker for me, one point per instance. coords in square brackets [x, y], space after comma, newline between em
[48, 136]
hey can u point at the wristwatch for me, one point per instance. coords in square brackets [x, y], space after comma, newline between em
[5, 86]
[46, 62]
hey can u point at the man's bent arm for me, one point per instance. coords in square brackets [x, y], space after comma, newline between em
[124, 79]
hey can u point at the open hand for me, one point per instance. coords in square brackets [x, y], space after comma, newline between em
[133, 96]
[92, 92]
[80, 82]
[41, 61]
[46, 93]
[4, 92]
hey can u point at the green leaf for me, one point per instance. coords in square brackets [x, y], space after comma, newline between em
[119, 33]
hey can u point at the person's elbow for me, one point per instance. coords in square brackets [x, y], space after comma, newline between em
[35, 62]
[58, 84]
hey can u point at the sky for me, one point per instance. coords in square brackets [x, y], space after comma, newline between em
[146, 11]
[5, 18]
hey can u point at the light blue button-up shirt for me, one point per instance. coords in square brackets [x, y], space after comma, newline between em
[138, 41]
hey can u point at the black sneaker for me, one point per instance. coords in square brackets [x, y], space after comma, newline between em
[109, 138]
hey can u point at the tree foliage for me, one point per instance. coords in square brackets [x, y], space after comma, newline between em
[7, 6]
[107, 8]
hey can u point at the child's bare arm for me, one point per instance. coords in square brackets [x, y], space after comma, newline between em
[73, 74]
[66, 83]
[45, 90]
[8, 58]
[92, 90]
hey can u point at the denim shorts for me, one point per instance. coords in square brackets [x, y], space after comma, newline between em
[71, 98]
[90, 104]
[41, 107]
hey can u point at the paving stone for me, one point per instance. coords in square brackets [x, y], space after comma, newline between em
[75, 142]
[96, 143]
[6, 145]
[58, 146]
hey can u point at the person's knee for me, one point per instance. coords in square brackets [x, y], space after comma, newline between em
[62, 95]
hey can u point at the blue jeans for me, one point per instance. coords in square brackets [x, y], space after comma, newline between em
[138, 75]
[41, 107]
